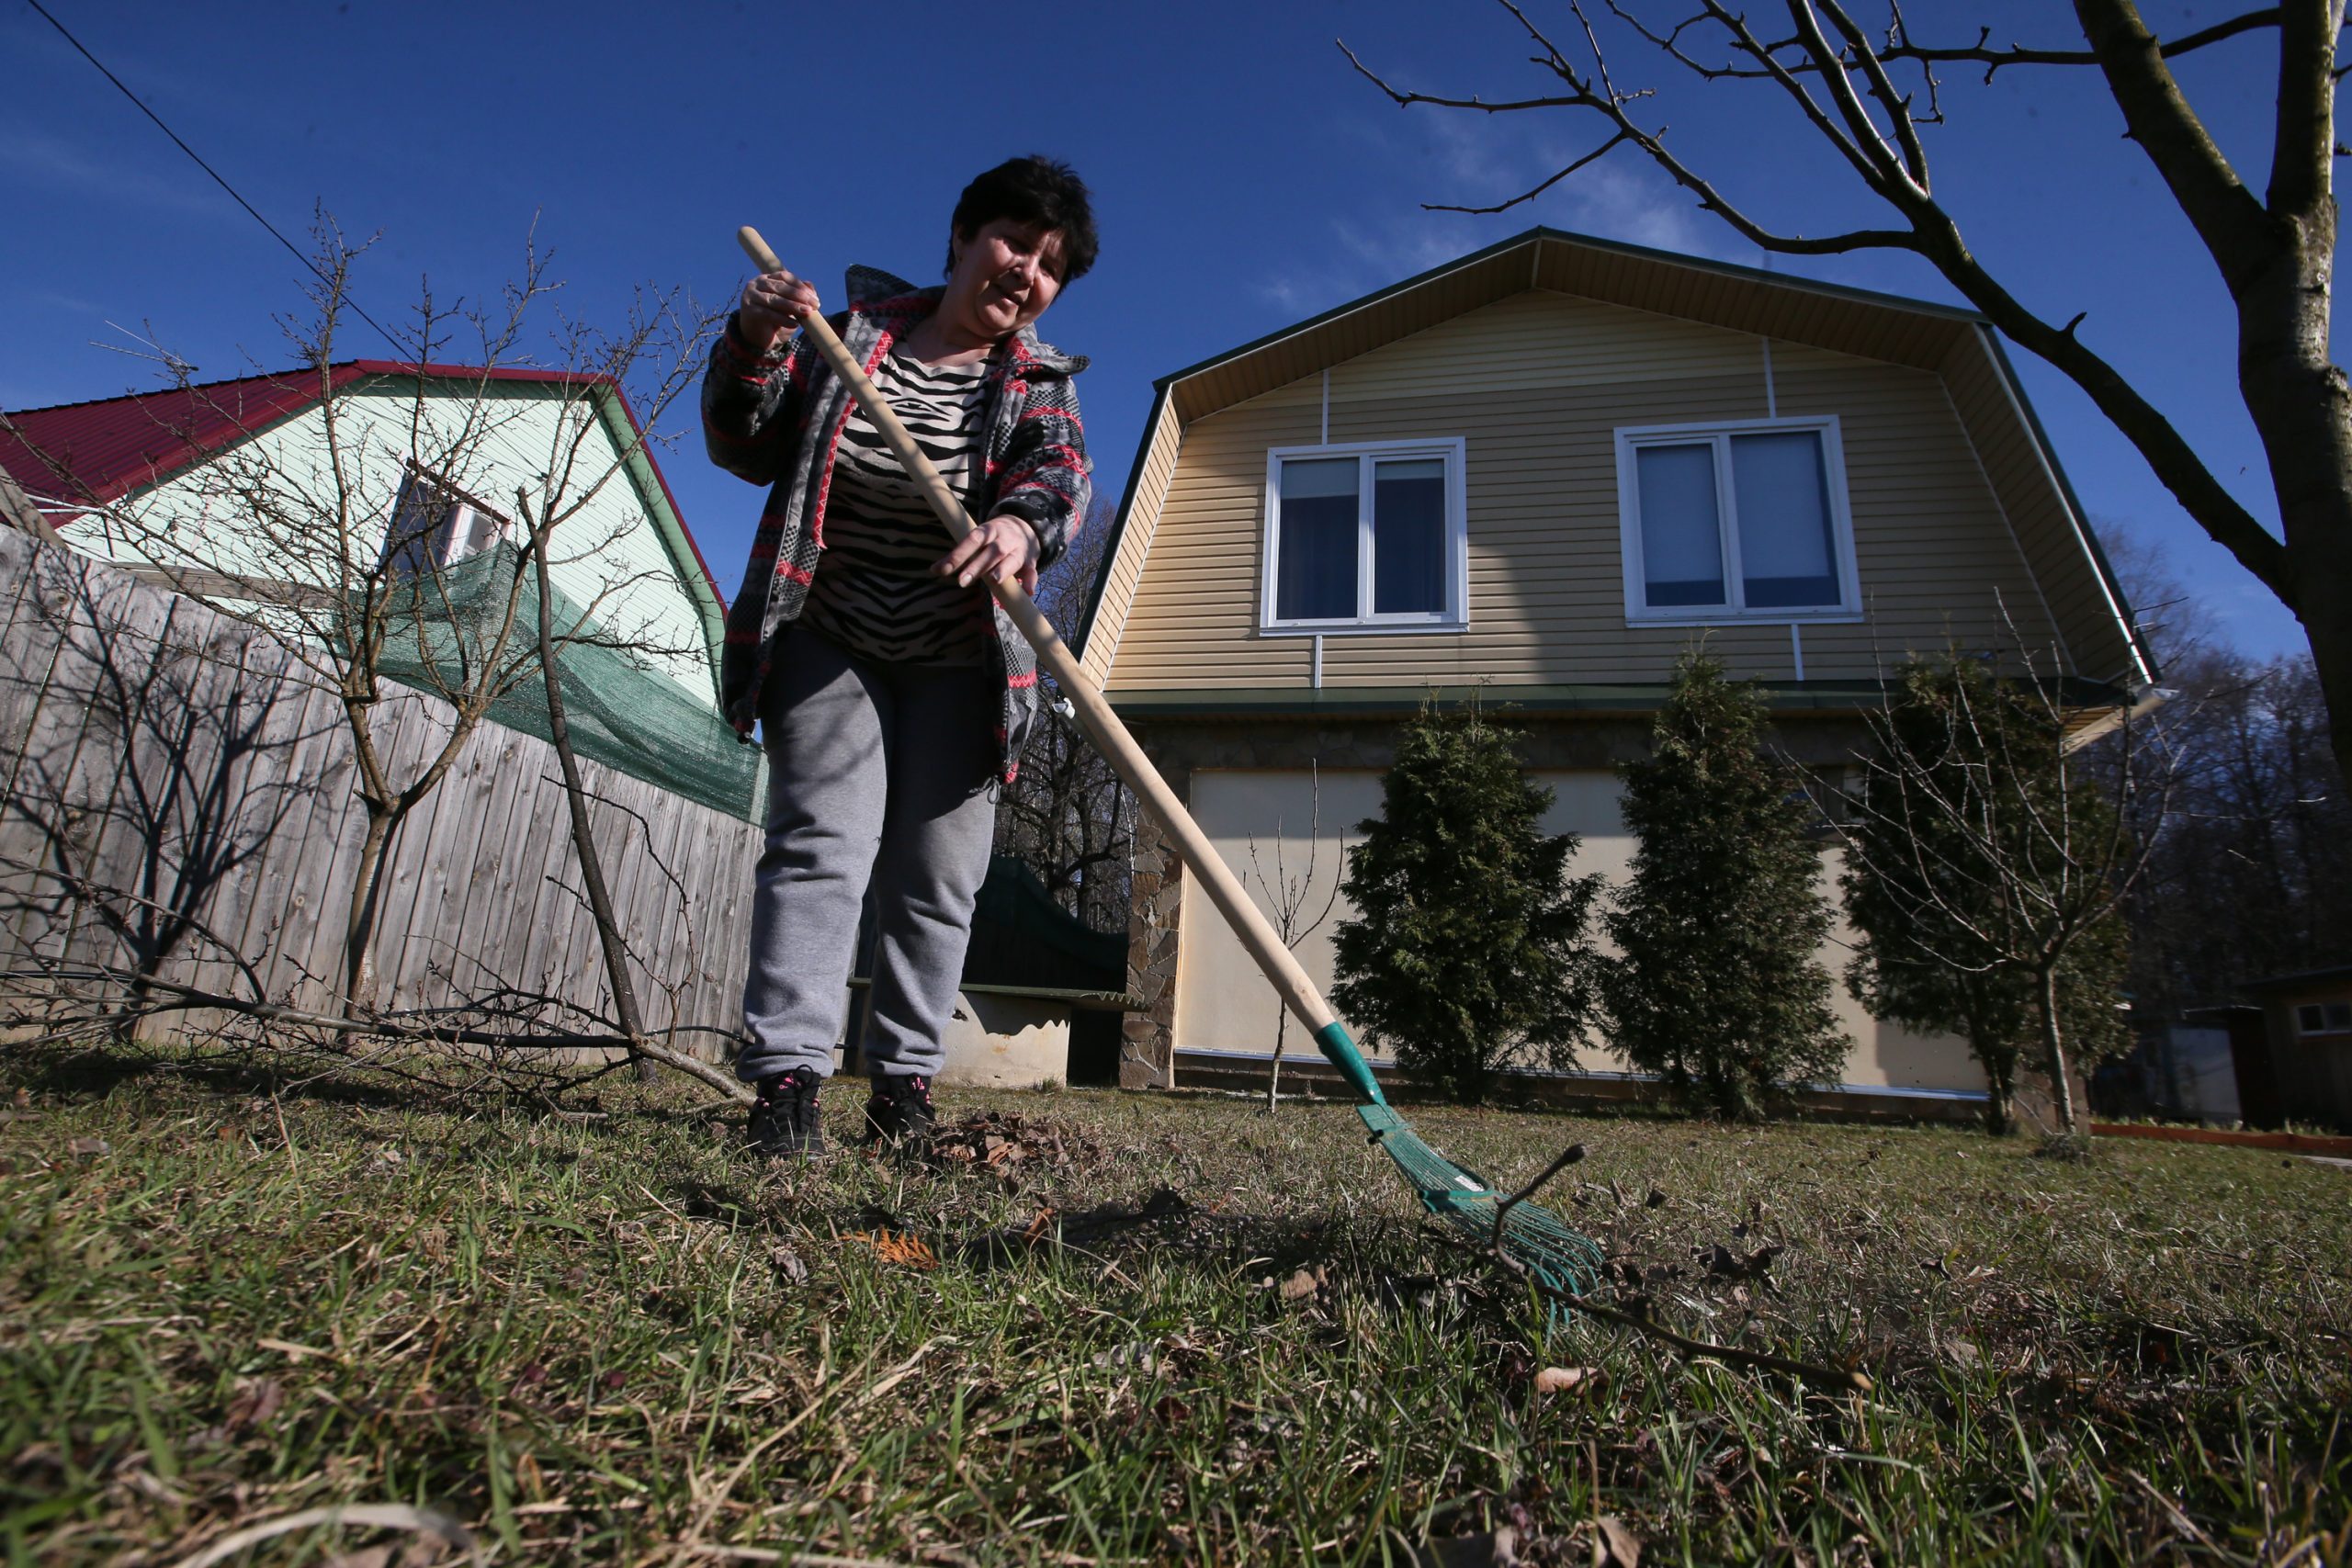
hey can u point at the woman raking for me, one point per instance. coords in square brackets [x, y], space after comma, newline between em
[888, 690]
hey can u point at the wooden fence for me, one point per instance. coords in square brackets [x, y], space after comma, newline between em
[191, 770]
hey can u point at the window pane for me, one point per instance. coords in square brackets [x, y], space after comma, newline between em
[1316, 579]
[2339, 1015]
[1408, 537]
[2309, 1019]
[411, 543]
[1782, 494]
[1682, 554]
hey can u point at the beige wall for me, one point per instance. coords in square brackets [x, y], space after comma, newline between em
[1223, 1003]
[1535, 385]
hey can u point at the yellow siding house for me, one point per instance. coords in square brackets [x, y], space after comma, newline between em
[1540, 473]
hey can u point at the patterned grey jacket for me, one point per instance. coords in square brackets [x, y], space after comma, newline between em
[775, 419]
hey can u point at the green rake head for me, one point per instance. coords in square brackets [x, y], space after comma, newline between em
[1552, 1252]
[1556, 1254]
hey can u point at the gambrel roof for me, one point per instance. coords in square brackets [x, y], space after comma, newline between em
[1957, 345]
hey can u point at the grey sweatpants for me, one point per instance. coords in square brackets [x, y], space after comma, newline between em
[878, 771]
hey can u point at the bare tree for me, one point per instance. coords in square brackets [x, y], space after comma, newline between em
[1288, 899]
[367, 553]
[1868, 86]
[1986, 868]
[1066, 815]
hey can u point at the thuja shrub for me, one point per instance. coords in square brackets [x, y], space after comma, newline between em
[1718, 988]
[1467, 954]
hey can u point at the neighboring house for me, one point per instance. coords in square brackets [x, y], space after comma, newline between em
[230, 491]
[1541, 472]
[161, 454]
[2306, 1034]
[1040, 995]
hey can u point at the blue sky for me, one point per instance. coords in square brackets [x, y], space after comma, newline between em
[1245, 178]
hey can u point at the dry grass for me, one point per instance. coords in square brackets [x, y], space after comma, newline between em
[609, 1338]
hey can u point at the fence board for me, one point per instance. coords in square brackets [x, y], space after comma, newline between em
[38, 625]
[205, 765]
[161, 831]
[275, 802]
[428, 946]
[51, 788]
[287, 908]
[668, 925]
[485, 900]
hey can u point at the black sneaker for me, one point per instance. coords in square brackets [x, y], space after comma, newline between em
[899, 1108]
[784, 1119]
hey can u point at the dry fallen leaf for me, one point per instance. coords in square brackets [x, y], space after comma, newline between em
[1300, 1285]
[88, 1148]
[788, 1263]
[1562, 1379]
[901, 1247]
[1621, 1546]
[257, 1400]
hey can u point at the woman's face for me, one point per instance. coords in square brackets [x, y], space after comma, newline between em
[1006, 273]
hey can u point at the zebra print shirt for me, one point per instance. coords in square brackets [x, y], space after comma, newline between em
[874, 592]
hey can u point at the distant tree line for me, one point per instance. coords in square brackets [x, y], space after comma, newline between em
[2250, 874]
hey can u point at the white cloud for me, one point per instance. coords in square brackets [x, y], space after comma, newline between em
[1364, 256]
[59, 164]
[1617, 200]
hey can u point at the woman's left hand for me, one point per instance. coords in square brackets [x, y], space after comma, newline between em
[999, 550]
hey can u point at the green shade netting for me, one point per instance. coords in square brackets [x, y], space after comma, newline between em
[620, 710]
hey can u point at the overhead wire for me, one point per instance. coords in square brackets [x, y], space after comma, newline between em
[296, 251]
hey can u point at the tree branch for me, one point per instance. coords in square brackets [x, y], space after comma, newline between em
[1612, 106]
[2158, 113]
[2302, 155]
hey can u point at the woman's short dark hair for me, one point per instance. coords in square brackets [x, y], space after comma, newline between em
[1043, 191]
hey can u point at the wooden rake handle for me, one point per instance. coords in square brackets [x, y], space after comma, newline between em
[1101, 726]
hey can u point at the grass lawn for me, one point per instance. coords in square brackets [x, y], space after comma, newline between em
[1156, 1328]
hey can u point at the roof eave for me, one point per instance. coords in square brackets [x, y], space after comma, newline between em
[1541, 234]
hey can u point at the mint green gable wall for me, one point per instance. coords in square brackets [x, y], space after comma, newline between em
[624, 550]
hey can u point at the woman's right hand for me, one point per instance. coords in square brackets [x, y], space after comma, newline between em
[774, 304]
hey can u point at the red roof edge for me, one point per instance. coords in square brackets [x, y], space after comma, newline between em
[108, 446]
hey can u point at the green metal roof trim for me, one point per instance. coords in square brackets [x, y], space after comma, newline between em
[1509, 702]
[1165, 385]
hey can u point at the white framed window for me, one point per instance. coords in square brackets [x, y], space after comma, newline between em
[2324, 1018]
[1367, 536]
[435, 525]
[1741, 521]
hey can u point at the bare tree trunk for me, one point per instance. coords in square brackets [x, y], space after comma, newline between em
[2302, 410]
[583, 837]
[360, 928]
[1274, 1072]
[2000, 1114]
[2054, 1049]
